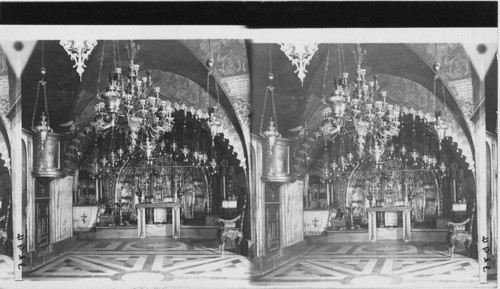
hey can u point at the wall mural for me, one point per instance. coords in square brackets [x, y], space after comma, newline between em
[231, 67]
[178, 89]
[455, 70]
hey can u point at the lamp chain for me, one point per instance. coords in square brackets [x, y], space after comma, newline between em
[100, 68]
[263, 111]
[444, 95]
[36, 105]
[114, 54]
[208, 74]
[340, 61]
[326, 70]
[274, 110]
[269, 88]
[44, 84]
[118, 53]
[208, 89]
[43, 56]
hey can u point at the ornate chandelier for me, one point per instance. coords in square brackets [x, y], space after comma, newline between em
[132, 114]
[300, 54]
[79, 51]
[362, 106]
[133, 97]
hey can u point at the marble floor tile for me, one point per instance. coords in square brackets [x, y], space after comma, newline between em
[375, 265]
[166, 259]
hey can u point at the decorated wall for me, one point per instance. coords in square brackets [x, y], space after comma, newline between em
[231, 69]
[455, 70]
[407, 93]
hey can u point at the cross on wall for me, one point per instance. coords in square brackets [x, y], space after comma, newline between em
[83, 218]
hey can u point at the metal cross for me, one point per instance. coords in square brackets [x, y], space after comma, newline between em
[315, 222]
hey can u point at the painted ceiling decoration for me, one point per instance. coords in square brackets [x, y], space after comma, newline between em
[231, 69]
[455, 71]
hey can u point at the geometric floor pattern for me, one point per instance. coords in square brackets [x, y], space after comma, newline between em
[157, 262]
[115, 259]
[376, 265]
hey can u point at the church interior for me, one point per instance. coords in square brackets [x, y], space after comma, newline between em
[251, 164]
[371, 162]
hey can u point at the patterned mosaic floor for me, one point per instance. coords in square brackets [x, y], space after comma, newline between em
[157, 263]
[153, 258]
[376, 265]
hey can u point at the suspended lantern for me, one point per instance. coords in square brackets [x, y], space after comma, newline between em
[47, 162]
[277, 164]
[47, 150]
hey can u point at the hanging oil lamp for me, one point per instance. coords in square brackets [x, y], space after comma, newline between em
[440, 127]
[148, 148]
[47, 144]
[43, 129]
[271, 134]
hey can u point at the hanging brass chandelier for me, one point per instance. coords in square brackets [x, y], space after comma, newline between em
[361, 105]
[132, 114]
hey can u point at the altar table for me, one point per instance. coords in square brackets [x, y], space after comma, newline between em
[315, 221]
[372, 221]
[176, 218]
[84, 217]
